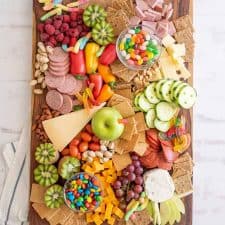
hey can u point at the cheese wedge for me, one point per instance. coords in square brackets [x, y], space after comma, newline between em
[61, 130]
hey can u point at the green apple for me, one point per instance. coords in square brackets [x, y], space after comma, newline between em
[105, 124]
[165, 212]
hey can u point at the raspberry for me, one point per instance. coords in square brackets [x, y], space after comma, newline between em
[52, 40]
[79, 22]
[85, 28]
[73, 16]
[48, 21]
[79, 17]
[64, 27]
[79, 28]
[50, 29]
[58, 17]
[40, 27]
[83, 33]
[49, 44]
[66, 18]
[57, 32]
[73, 24]
[73, 32]
[44, 36]
[59, 37]
[57, 24]
[66, 40]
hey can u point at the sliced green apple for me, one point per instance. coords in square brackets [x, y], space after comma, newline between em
[173, 213]
[150, 208]
[156, 217]
[179, 204]
[165, 212]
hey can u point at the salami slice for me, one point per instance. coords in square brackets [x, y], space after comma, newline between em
[169, 154]
[60, 68]
[78, 88]
[67, 105]
[58, 55]
[54, 81]
[61, 63]
[162, 163]
[58, 73]
[70, 84]
[54, 99]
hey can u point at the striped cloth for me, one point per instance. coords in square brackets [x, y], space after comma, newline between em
[14, 198]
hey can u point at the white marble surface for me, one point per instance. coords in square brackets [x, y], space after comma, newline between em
[209, 117]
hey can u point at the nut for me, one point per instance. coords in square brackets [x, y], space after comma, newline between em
[37, 73]
[89, 159]
[43, 59]
[43, 85]
[33, 82]
[40, 79]
[38, 56]
[85, 155]
[99, 154]
[91, 154]
[111, 145]
[103, 148]
[108, 154]
[38, 91]
[103, 160]
[37, 65]
[104, 142]
[44, 67]
[41, 46]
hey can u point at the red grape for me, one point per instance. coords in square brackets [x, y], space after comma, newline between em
[130, 194]
[136, 196]
[134, 157]
[119, 193]
[138, 188]
[124, 172]
[136, 163]
[131, 176]
[117, 184]
[139, 180]
[138, 171]
[125, 181]
[130, 168]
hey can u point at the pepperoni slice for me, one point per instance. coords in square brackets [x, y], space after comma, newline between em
[153, 135]
[162, 163]
[67, 105]
[58, 55]
[54, 81]
[54, 99]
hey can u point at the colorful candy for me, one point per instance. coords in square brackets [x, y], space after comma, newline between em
[83, 192]
[137, 47]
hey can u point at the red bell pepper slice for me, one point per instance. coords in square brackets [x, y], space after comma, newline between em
[77, 61]
[109, 55]
[96, 79]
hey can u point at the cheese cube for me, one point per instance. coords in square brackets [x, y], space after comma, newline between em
[97, 219]
[108, 211]
[108, 164]
[109, 179]
[168, 40]
[118, 212]
[98, 166]
[89, 217]
[111, 221]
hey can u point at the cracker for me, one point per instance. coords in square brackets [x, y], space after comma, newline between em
[121, 161]
[140, 121]
[61, 216]
[43, 211]
[183, 22]
[187, 166]
[142, 137]
[125, 109]
[125, 93]
[178, 172]
[140, 148]
[184, 158]
[76, 219]
[129, 129]
[142, 217]
[189, 53]
[184, 36]
[183, 185]
[117, 99]
[123, 85]
[126, 75]
[117, 66]
[37, 193]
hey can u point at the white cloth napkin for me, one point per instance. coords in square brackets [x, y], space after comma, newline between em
[14, 199]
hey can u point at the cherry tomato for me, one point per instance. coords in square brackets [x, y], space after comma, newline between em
[79, 155]
[89, 129]
[95, 139]
[94, 146]
[85, 136]
[65, 151]
[83, 146]
[75, 142]
[73, 151]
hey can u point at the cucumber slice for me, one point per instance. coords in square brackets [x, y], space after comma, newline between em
[144, 104]
[178, 89]
[136, 98]
[173, 88]
[161, 125]
[150, 117]
[158, 88]
[187, 97]
[150, 94]
[165, 111]
[165, 90]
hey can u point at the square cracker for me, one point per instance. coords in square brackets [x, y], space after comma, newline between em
[129, 129]
[61, 216]
[76, 219]
[187, 166]
[117, 66]
[43, 211]
[184, 36]
[183, 185]
[37, 193]
[184, 158]
[142, 137]
[121, 161]
[126, 75]
[125, 93]
[140, 148]
[183, 22]
[125, 109]
[140, 121]
[142, 217]
[117, 99]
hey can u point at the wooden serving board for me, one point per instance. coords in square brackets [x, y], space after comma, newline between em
[181, 8]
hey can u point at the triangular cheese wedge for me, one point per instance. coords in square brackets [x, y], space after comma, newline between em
[61, 130]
